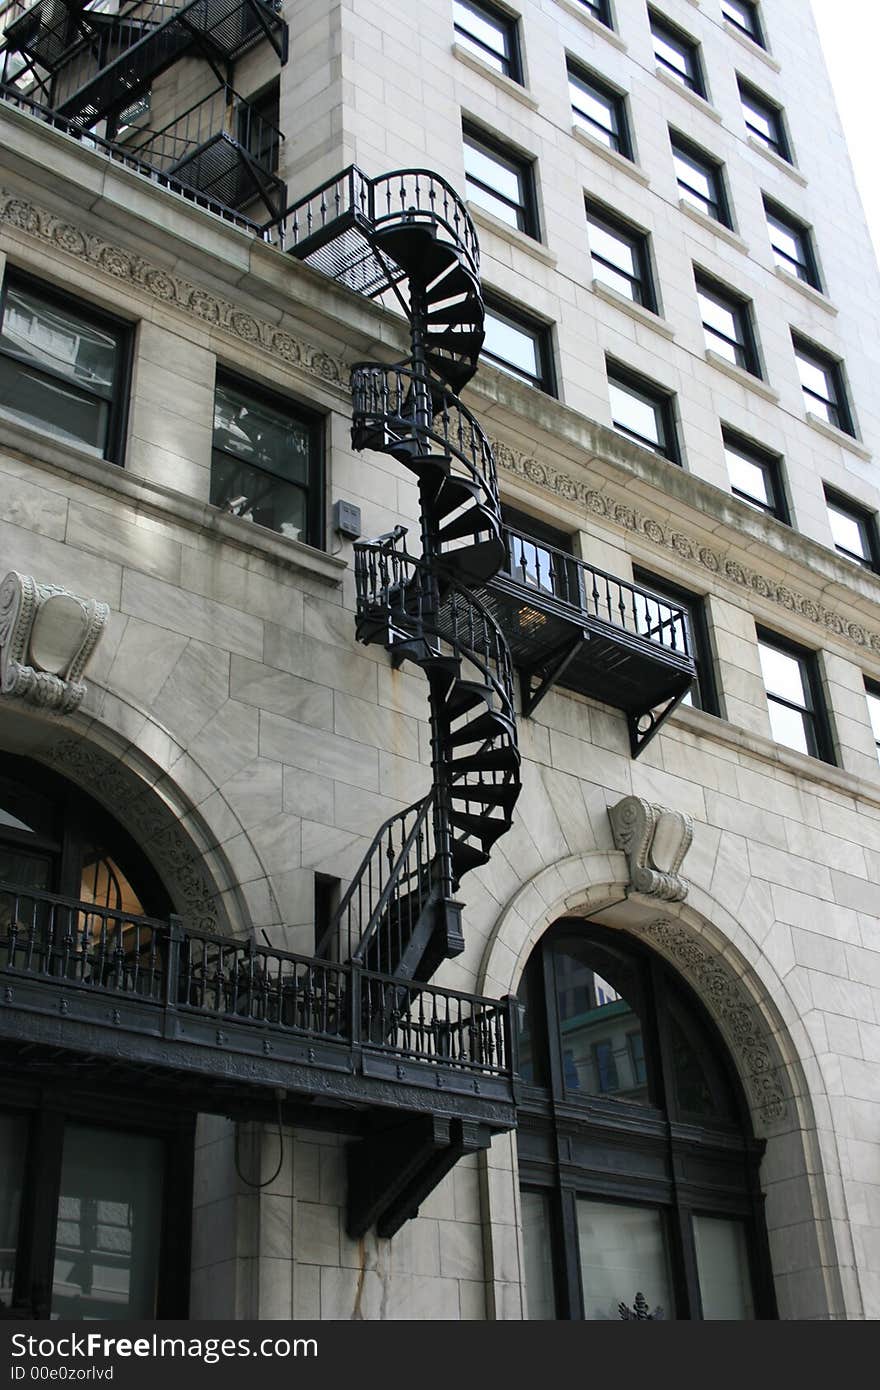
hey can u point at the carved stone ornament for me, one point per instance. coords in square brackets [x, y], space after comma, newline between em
[655, 841]
[47, 635]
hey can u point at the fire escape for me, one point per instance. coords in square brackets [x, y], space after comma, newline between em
[89, 67]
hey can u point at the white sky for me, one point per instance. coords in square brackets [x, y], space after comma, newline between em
[849, 31]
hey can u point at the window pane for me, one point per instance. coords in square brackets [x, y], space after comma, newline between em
[788, 726]
[491, 40]
[740, 13]
[492, 172]
[612, 248]
[59, 340]
[260, 434]
[718, 315]
[258, 496]
[874, 714]
[784, 240]
[634, 413]
[783, 674]
[695, 175]
[848, 532]
[673, 57]
[109, 1225]
[598, 1000]
[623, 1253]
[538, 1254]
[13, 1155]
[595, 112]
[53, 406]
[815, 378]
[513, 345]
[749, 477]
[723, 1268]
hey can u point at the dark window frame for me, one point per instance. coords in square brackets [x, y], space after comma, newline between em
[714, 171]
[704, 691]
[122, 329]
[865, 519]
[771, 466]
[525, 211]
[778, 142]
[509, 55]
[637, 240]
[838, 403]
[533, 566]
[537, 330]
[561, 1174]
[753, 31]
[254, 142]
[661, 401]
[312, 421]
[620, 138]
[691, 75]
[814, 715]
[807, 268]
[600, 10]
[872, 692]
[745, 343]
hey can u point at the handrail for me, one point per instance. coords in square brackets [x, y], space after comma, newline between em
[586, 589]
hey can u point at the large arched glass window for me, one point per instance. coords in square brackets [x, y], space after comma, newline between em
[639, 1169]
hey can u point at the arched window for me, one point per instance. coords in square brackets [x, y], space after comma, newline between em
[638, 1166]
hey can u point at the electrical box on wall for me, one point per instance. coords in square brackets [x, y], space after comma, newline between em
[347, 519]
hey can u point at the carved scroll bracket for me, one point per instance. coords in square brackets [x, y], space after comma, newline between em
[655, 841]
[47, 636]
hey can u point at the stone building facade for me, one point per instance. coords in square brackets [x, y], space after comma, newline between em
[248, 747]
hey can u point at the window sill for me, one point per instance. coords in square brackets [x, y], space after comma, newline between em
[784, 165]
[504, 83]
[750, 46]
[711, 225]
[597, 27]
[815, 296]
[151, 497]
[618, 161]
[847, 441]
[635, 311]
[700, 103]
[740, 374]
[527, 243]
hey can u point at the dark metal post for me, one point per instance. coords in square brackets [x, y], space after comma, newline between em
[172, 963]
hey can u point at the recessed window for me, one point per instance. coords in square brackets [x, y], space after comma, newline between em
[620, 258]
[822, 384]
[518, 345]
[727, 323]
[764, 120]
[794, 697]
[63, 367]
[700, 180]
[599, 111]
[500, 182]
[792, 244]
[872, 693]
[854, 530]
[539, 556]
[703, 693]
[743, 15]
[599, 10]
[488, 33]
[642, 411]
[266, 464]
[677, 54]
[755, 476]
[258, 127]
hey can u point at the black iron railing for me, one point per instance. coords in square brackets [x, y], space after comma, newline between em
[75, 946]
[547, 570]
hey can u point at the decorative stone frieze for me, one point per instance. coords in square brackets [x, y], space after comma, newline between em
[47, 636]
[655, 841]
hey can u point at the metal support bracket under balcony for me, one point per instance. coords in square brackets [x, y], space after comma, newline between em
[549, 673]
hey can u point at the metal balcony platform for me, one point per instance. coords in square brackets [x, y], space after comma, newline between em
[574, 626]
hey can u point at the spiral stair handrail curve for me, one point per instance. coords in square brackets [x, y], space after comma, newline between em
[402, 900]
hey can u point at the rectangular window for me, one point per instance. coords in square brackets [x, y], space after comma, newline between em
[727, 323]
[703, 693]
[620, 257]
[599, 10]
[258, 127]
[63, 367]
[700, 181]
[642, 411]
[872, 693]
[764, 120]
[822, 384]
[677, 54]
[792, 244]
[723, 1268]
[623, 1252]
[854, 530]
[755, 476]
[266, 462]
[550, 566]
[538, 1254]
[743, 15]
[794, 697]
[489, 34]
[518, 345]
[599, 111]
[500, 182]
